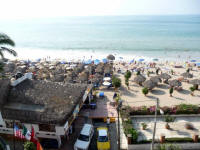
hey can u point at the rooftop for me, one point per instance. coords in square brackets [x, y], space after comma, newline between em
[34, 101]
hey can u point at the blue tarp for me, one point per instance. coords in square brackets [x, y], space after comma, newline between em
[193, 60]
[104, 60]
[132, 61]
[96, 61]
[89, 61]
[63, 62]
[141, 59]
[101, 94]
[39, 59]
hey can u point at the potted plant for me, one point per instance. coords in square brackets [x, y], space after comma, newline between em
[171, 90]
[162, 138]
[168, 119]
[192, 89]
[144, 126]
[189, 126]
[145, 91]
[195, 138]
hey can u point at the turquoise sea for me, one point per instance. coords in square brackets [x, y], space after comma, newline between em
[168, 37]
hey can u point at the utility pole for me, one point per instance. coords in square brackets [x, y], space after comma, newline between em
[118, 110]
[155, 121]
[118, 129]
[13, 134]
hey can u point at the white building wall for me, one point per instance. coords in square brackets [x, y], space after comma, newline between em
[60, 130]
[2, 123]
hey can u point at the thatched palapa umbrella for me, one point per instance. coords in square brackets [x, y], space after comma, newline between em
[83, 77]
[195, 82]
[174, 83]
[139, 79]
[155, 79]
[187, 75]
[165, 76]
[149, 84]
[99, 69]
[107, 70]
[111, 57]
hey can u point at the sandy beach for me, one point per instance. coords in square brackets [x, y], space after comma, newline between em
[135, 97]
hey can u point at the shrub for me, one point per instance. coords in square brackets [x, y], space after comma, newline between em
[116, 82]
[169, 118]
[192, 89]
[138, 73]
[187, 109]
[29, 146]
[134, 134]
[145, 91]
[127, 74]
[167, 147]
[144, 125]
[179, 109]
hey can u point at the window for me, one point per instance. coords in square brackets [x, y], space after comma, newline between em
[46, 127]
[83, 137]
[103, 139]
[9, 124]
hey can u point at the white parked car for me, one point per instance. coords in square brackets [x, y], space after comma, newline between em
[83, 141]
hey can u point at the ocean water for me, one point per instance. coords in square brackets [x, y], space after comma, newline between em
[131, 37]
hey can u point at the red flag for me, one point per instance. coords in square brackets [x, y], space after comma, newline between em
[32, 132]
[33, 136]
[39, 147]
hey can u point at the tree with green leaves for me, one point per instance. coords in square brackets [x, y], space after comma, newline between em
[138, 73]
[145, 91]
[6, 40]
[192, 89]
[29, 146]
[127, 76]
[116, 82]
[171, 90]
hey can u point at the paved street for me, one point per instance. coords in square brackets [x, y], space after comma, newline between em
[68, 145]
[112, 134]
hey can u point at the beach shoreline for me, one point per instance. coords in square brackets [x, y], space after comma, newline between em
[82, 55]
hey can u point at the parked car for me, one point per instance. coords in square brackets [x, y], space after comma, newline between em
[84, 139]
[103, 142]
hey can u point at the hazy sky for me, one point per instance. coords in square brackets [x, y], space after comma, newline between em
[54, 8]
